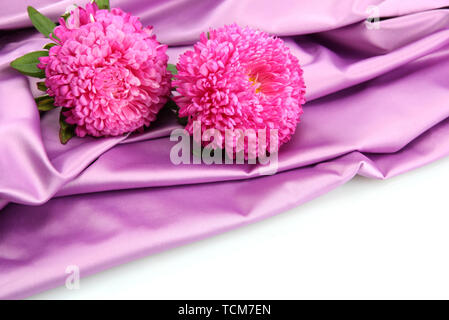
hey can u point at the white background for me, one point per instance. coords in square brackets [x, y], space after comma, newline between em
[366, 239]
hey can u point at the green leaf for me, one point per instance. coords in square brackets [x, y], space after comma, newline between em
[208, 35]
[183, 121]
[27, 64]
[175, 109]
[103, 4]
[41, 22]
[41, 86]
[172, 69]
[49, 45]
[65, 16]
[45, 103]
[172, 106]
[66, 131]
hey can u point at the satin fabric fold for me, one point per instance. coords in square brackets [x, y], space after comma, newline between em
[377, 106]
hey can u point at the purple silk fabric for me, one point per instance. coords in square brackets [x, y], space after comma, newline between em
[378, 106]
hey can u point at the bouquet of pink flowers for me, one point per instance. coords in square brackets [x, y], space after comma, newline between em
[110, 76]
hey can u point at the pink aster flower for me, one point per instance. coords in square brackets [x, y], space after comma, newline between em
[107, 70]
[240, 78]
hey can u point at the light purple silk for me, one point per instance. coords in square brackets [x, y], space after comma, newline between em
[378, 106]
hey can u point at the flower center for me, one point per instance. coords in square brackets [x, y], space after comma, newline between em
[110, 83]
[254, 82]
